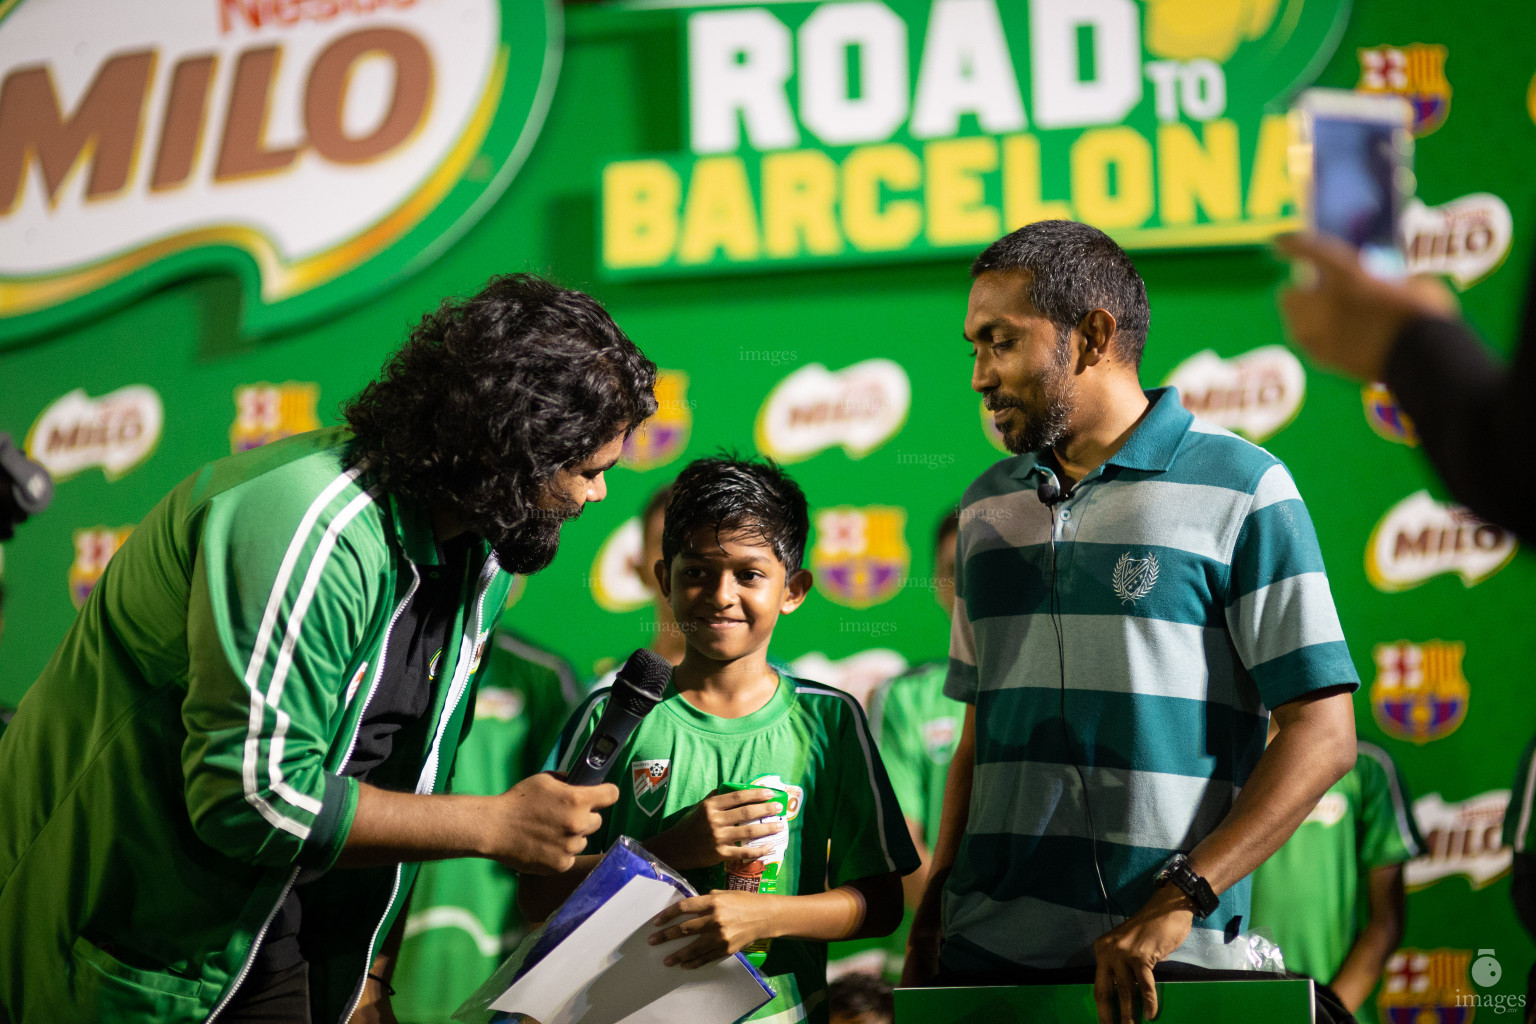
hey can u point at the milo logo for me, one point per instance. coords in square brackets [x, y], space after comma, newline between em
[316, 148]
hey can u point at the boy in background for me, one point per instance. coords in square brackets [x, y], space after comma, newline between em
[463, 918]
[732, 548]
[915, 728]
[666, 640]
[1332, 896]
[859, 998]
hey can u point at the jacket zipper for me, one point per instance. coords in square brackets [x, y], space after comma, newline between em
[378, 673]
[250, 958]
[455, 694]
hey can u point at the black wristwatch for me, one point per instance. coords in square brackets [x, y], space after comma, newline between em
[1178, 871]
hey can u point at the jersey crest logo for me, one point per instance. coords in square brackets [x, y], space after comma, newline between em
[1134, 578]
[500, 703]
[1420, 693]
[650, 779]
[357, 682]
[1423, 985]
[270, 412]
[939, 739]
[1415, 72]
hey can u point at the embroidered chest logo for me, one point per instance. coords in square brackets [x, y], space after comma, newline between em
[939, 739]
[1134, 577]
[649, 779]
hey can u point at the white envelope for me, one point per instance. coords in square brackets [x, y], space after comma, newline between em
[605, 972]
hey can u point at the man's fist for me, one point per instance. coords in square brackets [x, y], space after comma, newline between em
[543, 823]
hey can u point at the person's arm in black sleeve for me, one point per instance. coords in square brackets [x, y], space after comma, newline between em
[1471, 412]
[1473, 415]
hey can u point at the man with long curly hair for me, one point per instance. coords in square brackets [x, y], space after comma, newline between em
[220, 787]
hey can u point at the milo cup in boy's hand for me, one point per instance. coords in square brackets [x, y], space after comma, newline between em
[761, 875]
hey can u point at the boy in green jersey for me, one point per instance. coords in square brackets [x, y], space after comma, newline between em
[915, 728]
[1332, 896]
[463, 917]
[732, 546]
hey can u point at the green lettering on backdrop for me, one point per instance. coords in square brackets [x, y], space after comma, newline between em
[865, 131]
[316, 148]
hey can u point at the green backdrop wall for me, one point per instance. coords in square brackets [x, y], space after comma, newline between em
[621, 94]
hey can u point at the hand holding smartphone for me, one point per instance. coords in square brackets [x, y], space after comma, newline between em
[1356, 171]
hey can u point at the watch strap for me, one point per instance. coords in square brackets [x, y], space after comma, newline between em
[1178, 873]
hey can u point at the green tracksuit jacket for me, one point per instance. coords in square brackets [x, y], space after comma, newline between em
[179, 759]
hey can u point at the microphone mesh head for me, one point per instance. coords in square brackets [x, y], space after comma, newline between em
[643, 679]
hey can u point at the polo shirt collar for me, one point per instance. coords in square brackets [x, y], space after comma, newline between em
[1151, 446]
[1157, 437]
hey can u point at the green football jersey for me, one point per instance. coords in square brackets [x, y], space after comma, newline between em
[916, 728]
[809, 740]
[1519, 829]
[1310, 895]
[463, 919]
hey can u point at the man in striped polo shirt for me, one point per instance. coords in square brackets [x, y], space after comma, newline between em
[1136, 592]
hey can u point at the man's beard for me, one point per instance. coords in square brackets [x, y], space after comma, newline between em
[534, 545]
[1040, 428]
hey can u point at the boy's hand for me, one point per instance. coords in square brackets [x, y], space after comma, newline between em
[709, 833]
[726, 923]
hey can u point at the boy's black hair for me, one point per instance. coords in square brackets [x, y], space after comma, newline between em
[730, 493]
[857, 993]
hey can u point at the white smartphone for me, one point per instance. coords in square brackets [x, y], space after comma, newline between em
[1357, 161]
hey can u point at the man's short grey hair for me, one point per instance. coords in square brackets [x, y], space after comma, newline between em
[1075, 268]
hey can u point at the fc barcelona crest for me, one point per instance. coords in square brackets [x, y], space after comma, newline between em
[270, 412]
[860, 556]
[649, 779]
[94, 548]
[663, 437]
[1420, 693]
[1385, 416]
[1415, 72]
[1426, 985]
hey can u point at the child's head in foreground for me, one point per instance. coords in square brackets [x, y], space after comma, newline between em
[859, 998]
[731, 551]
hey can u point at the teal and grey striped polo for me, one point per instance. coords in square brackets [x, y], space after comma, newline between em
[1190, 595]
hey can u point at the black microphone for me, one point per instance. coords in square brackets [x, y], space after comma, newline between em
[1049, 491]
[637, 690]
